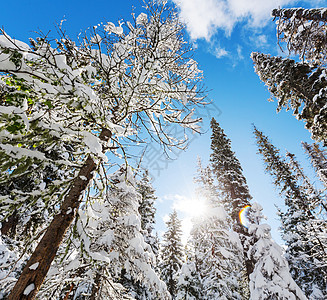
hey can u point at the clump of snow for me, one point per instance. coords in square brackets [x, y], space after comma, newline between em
[93, 143]
[34, 266]
[142, 19]
[29, 289]
[111, 28]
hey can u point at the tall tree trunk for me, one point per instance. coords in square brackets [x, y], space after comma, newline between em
[46, 250]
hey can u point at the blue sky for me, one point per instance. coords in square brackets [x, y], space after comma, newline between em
[224, 34]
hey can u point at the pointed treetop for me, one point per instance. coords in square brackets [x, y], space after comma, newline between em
[228, 171]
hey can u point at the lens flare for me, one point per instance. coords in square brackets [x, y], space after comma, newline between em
[243, 216]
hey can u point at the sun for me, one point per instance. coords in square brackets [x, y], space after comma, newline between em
[190, 208]
[196, 207]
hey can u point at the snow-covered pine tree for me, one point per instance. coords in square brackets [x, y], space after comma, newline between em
[229, 174]
[271, 278]
[300, 86]
[172, 253]
[317, 197]
[189, 285]
[231, 183]
[109, 232]
[296, 86]
[304, 233]
[215, 255]
[82, 99]
[318, 160]
[304, 31]
[147, 213]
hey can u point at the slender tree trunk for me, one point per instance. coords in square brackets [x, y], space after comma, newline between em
[46, 250]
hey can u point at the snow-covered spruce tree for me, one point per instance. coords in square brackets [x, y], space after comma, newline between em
[215, 256]
[304, 233]
[304, 31]
[318, 160]
[296, 86]
[300, 86]
[189, 285]
[271, 278]
[81, 99]
[113, 244]
[228, 172]
[216, 252]
[316, 197]
[147, 212]
[231, 183]
[172, 253]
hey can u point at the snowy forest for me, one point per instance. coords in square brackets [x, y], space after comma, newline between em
[77, 214]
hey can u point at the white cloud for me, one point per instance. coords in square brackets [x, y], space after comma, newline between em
[260, 40]
[239, 52]
[220, 52]
[205, 17]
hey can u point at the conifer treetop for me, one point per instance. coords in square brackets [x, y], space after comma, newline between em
[228, 171]
[172, 253]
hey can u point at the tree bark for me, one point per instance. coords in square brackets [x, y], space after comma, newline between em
[46, 250]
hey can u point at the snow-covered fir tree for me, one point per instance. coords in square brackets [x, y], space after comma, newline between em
[296, 86]
[271, 278]
[303, 231]
[304, 32]
[215, 254]
[231, 184]
[318, 160]
[189, 286]
[108, 230]
[317, 201]
[147, 213]
[300, 86]
[228, 172]
[172, 253]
